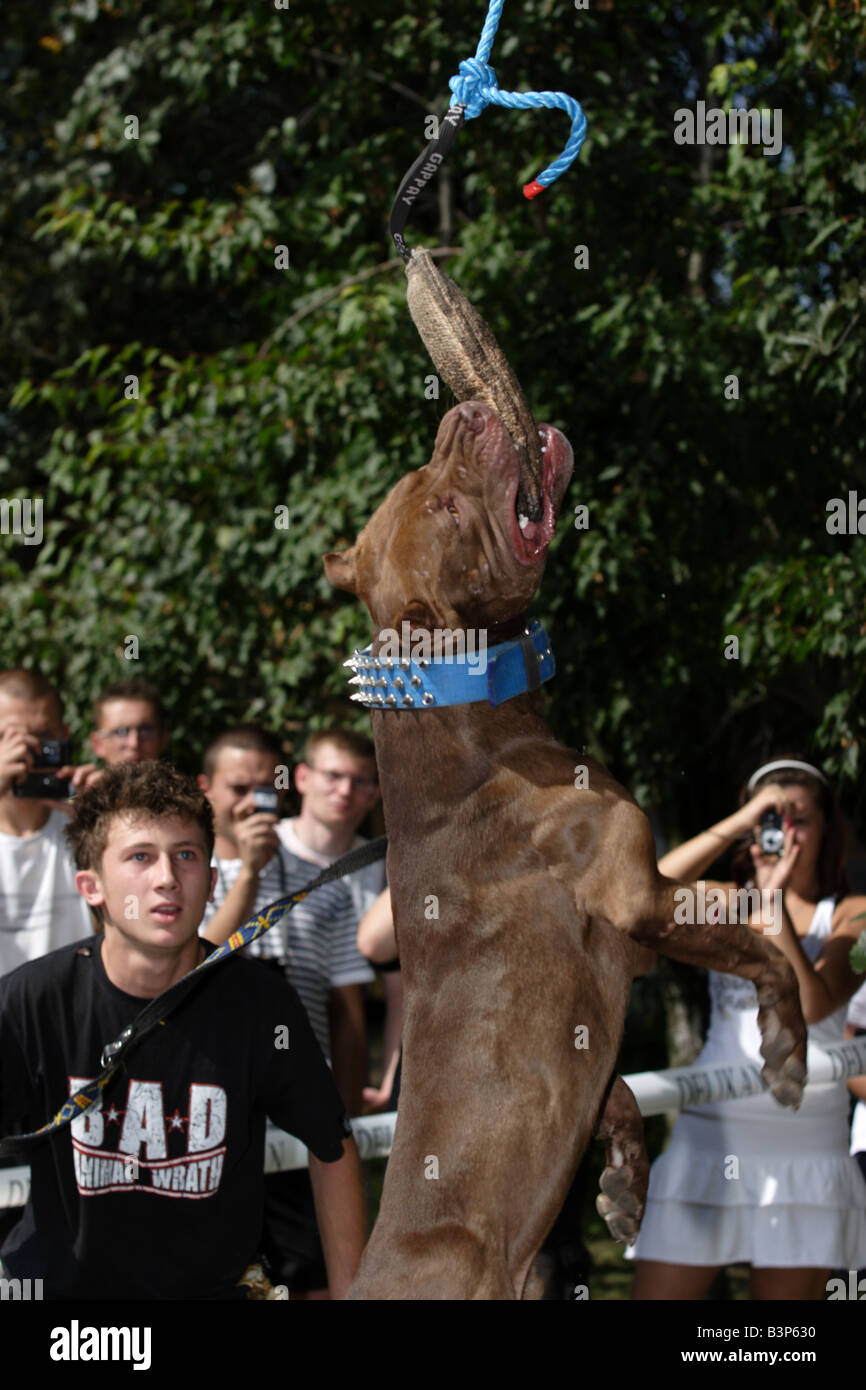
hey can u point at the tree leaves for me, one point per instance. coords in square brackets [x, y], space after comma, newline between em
[169, 387]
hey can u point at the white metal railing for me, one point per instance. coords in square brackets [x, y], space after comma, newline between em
[656, 1092]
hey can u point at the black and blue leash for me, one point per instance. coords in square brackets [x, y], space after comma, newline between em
[156, 1013]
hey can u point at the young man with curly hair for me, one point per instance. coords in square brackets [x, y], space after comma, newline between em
[157, 1190]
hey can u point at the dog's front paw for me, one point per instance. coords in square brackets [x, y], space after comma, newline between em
[783, 1034]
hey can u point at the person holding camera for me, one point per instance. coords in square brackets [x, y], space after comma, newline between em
[316, 944]
[315, 947]
[746, 1181]
[40, 908]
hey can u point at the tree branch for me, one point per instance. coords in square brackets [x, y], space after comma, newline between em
[322, 298]
[376, 76]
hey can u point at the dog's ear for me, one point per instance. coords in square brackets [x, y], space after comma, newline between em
[419, 614]
[340, 569]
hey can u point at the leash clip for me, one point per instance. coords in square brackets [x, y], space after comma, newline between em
[531, 658]
[111, 1050]
[520, 665]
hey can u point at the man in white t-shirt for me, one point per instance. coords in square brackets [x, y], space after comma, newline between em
[40, 907]
[315, 946]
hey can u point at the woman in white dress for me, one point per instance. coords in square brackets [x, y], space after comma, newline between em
[748, 1181]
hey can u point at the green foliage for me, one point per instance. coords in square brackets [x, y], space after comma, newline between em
[302, 388]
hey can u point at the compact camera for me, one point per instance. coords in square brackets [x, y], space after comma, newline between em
[266, 799]
[52, 752]
[772, 834]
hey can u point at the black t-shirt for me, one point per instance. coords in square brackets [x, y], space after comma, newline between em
[159, 1193]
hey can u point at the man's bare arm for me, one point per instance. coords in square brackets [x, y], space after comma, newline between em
[376, 937]
[257, 842]
[341, 1215]
[235, 909]
[348, 1045]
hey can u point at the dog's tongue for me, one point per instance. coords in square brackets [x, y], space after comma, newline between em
[468, 357]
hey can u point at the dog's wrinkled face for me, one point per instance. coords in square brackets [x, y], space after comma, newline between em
[446, 549]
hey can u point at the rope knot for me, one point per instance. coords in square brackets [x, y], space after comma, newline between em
[474, 86]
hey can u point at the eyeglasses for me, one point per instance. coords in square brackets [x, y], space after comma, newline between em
[332, 778]
[145, 732]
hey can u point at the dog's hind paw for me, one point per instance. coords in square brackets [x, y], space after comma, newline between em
[625, 1179]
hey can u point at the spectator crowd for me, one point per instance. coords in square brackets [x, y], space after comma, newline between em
[121, 875]
[259, 854]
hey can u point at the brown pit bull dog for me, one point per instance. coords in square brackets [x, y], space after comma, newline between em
[521, 900]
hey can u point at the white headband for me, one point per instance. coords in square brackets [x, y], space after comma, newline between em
[777, 766]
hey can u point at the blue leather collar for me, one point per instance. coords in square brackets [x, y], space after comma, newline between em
[513, 668]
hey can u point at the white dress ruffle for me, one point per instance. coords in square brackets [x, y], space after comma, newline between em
[749, 1181]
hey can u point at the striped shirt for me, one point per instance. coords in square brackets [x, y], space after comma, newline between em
[365, 884]
[314, 943]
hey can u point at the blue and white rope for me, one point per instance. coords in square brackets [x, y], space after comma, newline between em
[475, 86]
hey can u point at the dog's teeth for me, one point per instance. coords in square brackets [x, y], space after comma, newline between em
[523, 522]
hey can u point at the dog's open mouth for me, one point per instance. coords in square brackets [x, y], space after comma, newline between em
[531, 538]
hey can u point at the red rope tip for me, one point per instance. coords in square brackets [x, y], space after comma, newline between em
[531, 190]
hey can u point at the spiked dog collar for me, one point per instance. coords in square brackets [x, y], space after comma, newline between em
[512, 668]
